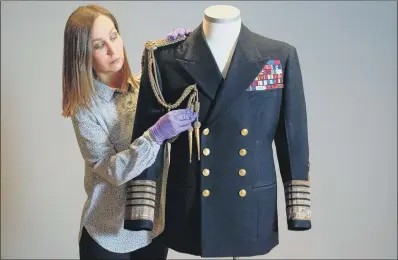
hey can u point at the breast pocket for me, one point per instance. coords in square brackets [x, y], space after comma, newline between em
[261, 111]
[261, 94]
[264, 103]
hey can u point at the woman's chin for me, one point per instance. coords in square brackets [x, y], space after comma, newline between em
[116, 65]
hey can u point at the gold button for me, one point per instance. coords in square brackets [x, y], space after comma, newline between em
[244, 132]
[242, 172]
[206, 131]
[205, 193]
[206, 172]
[242, 193]
[242, 152]
[206, 151]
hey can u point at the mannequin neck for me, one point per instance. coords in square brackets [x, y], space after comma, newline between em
[221, 27]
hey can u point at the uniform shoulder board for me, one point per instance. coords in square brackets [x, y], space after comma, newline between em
[153, 45]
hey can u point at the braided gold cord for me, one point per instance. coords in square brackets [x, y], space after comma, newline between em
[193, 103]
[190, 91]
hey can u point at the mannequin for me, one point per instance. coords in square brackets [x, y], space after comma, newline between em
[248, 92]
[221, 28]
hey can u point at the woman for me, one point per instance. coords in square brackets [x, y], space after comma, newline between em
[100, 95]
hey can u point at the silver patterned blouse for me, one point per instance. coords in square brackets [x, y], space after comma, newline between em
[104, 135]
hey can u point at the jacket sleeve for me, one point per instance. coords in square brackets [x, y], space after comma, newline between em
[291, 142]
[143, 193]
[115, 167]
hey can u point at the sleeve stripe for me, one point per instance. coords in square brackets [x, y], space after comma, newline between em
[138, 203]
[297, 205]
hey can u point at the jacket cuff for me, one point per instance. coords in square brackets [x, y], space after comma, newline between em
[298, 205]
[140, 205]
[138, 225]
[298, 225]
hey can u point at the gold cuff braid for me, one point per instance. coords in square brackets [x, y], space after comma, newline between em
[140, 204]
[298, 200]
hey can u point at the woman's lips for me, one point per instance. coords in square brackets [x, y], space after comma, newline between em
[116, 60]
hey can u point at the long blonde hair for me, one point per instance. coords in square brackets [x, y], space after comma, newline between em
[77, 71]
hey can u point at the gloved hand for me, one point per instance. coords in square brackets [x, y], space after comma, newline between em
[178, 32]
[172, 124]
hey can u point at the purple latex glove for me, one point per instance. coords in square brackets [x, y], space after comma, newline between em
[178, 32]
[172, 124]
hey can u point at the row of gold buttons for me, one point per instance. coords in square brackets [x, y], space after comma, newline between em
[206, 172]
[242, 172]
[242, 152]
[243, 132]
[206, 193]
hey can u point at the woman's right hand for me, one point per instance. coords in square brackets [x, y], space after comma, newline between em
[172, 124]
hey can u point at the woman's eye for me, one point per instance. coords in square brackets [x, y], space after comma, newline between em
[98, 46]
[113, 36]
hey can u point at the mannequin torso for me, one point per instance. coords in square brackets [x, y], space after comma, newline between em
[221, 28]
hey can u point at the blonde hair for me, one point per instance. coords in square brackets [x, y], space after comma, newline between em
[77, 71]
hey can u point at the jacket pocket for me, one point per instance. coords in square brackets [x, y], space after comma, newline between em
[264, 185]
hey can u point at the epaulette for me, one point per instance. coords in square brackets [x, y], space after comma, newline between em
[153, 45]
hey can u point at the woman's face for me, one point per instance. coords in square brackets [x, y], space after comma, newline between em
[108, 56]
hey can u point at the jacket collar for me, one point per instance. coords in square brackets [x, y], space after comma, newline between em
[247, 61]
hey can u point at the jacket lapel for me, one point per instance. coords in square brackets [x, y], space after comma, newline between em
[246, 64]
[197, 59]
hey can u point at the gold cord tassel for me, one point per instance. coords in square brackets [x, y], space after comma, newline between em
[196, 126]
[190, 144]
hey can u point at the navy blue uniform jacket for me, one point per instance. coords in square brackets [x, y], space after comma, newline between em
[226, 204]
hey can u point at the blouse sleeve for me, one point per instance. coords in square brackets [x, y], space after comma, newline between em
[99, 152]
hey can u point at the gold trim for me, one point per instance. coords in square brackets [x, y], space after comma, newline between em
[140, 192]
[141, 196]
[154, 44]
[140, 202]
[297, 189]
[298, 213]
[298, 200]
[191, 92]
[142, 189]
[140, 212]
[144, 182]
[297, 196]
[296, 182]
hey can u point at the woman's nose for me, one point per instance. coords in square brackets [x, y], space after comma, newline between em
[111, 49]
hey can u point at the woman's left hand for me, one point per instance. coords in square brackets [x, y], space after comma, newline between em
[178, 32]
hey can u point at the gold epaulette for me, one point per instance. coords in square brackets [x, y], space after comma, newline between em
[154, 44]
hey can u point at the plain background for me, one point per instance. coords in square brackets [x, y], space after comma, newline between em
[348, 54]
